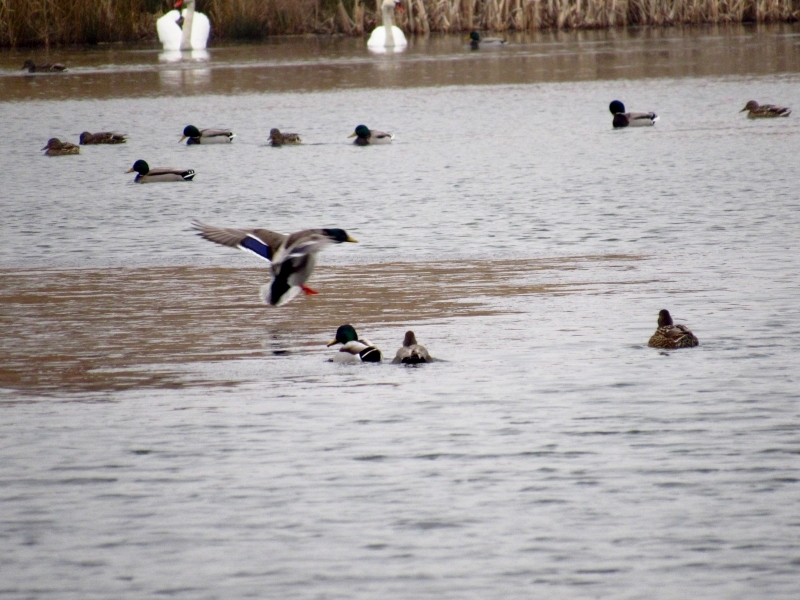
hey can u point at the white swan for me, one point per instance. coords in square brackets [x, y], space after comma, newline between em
[387, 35]
[193, 35]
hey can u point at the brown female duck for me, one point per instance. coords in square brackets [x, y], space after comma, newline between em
[43, 68]
[669, 335]
[55, 147]
[411, 353]
[103, 137]
[276, 138]
[765, 111]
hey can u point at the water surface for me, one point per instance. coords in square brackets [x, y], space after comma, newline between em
[165, 433]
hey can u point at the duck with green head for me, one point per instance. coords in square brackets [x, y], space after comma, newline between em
[630, 119]
[206, 136]
[353, 350]
[369, 137]
[476, 41]
[669, 335]
[144, 174]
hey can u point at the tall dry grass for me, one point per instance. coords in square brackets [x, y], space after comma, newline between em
[46, 22]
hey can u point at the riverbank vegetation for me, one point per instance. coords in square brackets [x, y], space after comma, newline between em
[56, 22]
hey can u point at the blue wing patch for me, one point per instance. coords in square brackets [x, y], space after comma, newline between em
[256, 246]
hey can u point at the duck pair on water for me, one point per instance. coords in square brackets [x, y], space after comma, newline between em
[356, 350]
[753, 108]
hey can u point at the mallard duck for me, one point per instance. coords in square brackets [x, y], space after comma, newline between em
[765, 111]
[103, 137]
[476, 41]
[623, 119]
[55, 147]
[160, 174]
[206, 136]
[44, 68]
[411, 352]
[367, 137]
[671, 336]
[276, 138]
[292, 257]
[387, 35]
[353, 350]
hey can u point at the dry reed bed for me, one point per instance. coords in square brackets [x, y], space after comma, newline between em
[45, 22]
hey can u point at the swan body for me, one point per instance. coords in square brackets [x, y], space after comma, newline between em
[55, 147]
[144, 174]
[193, 35]
[292, 257]
[669, 335]
[765, 111]
[631, 119]
[387, 35]
[353, 350]
[411, 353]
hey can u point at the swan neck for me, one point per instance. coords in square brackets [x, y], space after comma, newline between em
[186, 33]
[388, 23]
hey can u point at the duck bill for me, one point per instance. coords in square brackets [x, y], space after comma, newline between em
[183, 137]
[744, 109]
[352, 135]
[45, 148]
[129, 171]
[332, 342]
[351, 239]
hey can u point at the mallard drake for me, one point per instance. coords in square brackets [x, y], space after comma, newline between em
[55, 147]
[160, 174]
[206, 136]
[669, 335]
[476, 41]
[292, 257]
[623, 119]
[353, 350]
[43, 68]
[411, 353]
[103, 137]
[765, 111]
[367, 137]
[276, 138]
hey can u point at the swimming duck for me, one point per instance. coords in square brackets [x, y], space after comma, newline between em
[44, 68]
[160, 174]
[103, 137]
[366, 136]
[476, 41]
[671, 336]
[292, 257]
[765, 111]
[276, 138]
[353, 350]
[55, 147]
[623, 119]
[411, 352]
[206, 136]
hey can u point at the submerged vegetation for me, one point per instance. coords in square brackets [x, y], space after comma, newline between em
[46, 22]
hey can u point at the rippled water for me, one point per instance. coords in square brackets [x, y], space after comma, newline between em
[164, 433]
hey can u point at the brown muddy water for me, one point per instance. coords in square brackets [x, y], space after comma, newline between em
[164, 433]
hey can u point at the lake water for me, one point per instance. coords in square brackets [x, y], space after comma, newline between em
[166, 434]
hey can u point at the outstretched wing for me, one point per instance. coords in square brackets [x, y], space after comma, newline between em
[261, 242]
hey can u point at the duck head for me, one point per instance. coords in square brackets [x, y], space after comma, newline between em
[141, 167]
[29, 64]
[751, 105]
[337, 236]
[362, 131]
[664, 318]
[344, 335]
[616, 107]
[410, 339]
[190, 131]
[474, 36]
[53, 143]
